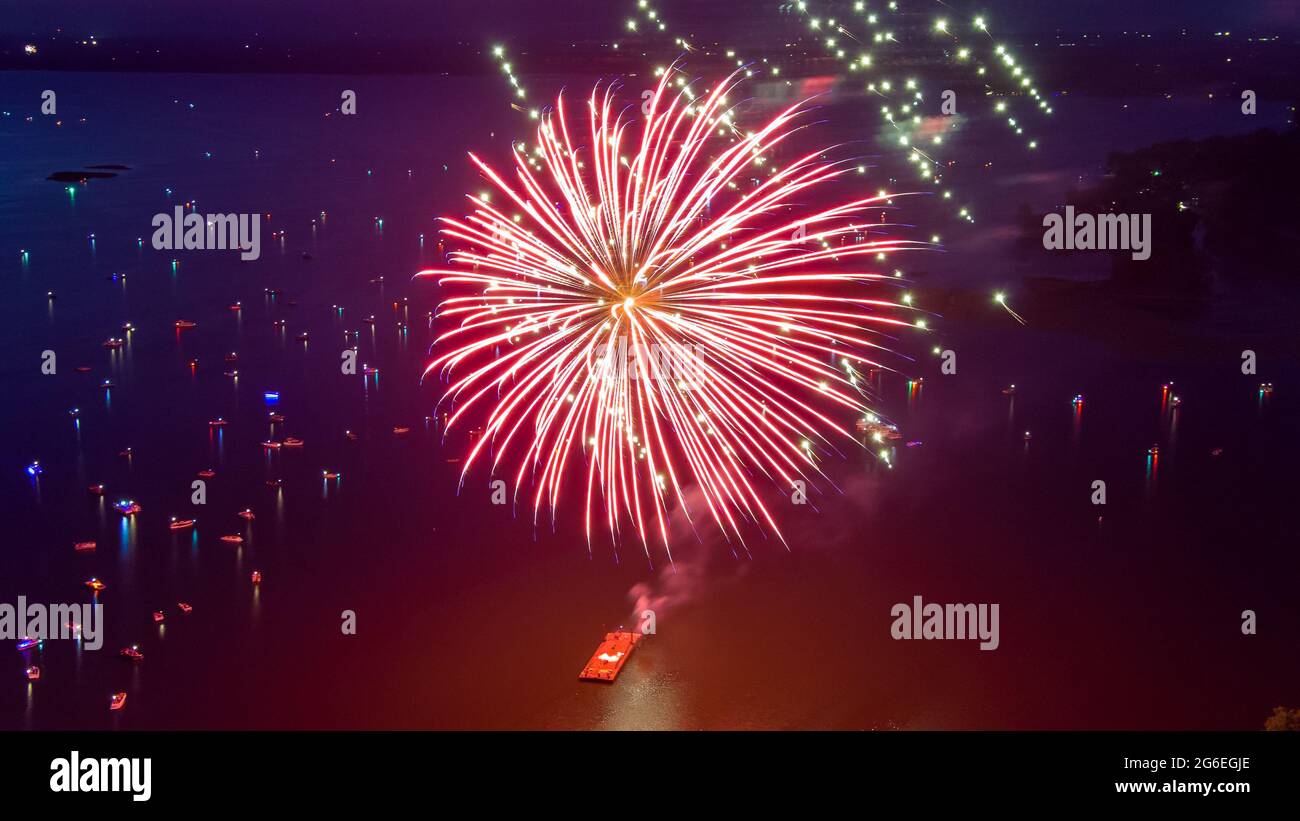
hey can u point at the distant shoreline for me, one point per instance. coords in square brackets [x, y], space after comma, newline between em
[1135, 67]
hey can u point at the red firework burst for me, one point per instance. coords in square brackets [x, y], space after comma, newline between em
[660, 311]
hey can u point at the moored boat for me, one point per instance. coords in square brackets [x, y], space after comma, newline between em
[608, 660]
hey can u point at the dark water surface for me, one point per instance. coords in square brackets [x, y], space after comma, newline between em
[467, 617]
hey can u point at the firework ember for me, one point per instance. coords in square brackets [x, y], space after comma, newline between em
[643, 315]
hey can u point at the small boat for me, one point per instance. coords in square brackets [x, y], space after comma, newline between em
[27, 643]
[369, 371]
[82, 547]
[233, 539]
[132, 653]
[217, 423]
[1175, 401]
[246, 513]
[1009, 390]
[303, 337]
[127, 507]
[271, 445]
[96, 585]
[127, 327]
[181, 324]
[275, 417]
[279, 323]
[125, 454]
[1078, 399]
[107, 384]
[32, 673]
[82, 369]
[274, 482]
[181, 524]
[292, 442]
[207, 473]
[915, 443]
[352, 437]
[1154, 450]
[232, 357]
[399, 431]
[113, 343]
[232, 374]
[272, 291]
[185, 607]
[880, 431]
[1217, 452]
[96, 490]
[117, 702]
[329, 474]
[1028, 436]
[235, 306]
[158, 617]
[257, 577]
[1266, 388]
[74, 412]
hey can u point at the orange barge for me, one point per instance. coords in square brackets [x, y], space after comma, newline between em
[610, 656]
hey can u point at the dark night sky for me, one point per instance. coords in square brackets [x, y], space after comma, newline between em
[475, 20]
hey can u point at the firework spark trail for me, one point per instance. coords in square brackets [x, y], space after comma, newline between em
[1001, 299]
[902, 114]
[611, 254]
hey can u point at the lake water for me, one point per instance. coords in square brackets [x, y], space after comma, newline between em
[467, 617]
